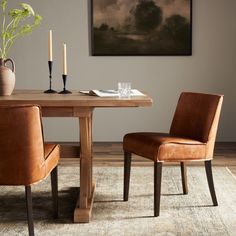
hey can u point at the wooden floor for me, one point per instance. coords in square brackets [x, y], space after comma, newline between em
[111, 154]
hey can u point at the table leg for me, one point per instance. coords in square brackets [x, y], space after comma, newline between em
[83, 209]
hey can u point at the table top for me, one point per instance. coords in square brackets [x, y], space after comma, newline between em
[76, 99]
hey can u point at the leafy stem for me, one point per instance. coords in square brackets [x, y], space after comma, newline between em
[17, 26]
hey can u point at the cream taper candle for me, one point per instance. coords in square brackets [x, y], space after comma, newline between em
[50, 45]
[64, 60]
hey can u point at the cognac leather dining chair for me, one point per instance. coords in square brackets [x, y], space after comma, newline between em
[24, 158]
[191, 138]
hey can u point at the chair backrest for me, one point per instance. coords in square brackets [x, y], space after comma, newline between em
[197, 117]
[21, 145]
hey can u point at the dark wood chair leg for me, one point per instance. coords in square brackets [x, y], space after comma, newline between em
[127, 166]
[54, 185]
[29, 210]
[211, 182]
[157, 187]
[184, 177]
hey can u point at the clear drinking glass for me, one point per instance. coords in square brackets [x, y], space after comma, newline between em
[124, 89]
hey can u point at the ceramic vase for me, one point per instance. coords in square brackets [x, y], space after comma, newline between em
[7, 77]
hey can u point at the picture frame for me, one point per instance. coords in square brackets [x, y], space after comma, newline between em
[141, 28]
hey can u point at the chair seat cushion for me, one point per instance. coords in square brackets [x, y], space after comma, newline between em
[52, 155]
[164, 147]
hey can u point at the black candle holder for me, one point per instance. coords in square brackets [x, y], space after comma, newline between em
[50, 90]
[64, 91]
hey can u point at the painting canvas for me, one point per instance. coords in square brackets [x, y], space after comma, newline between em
[141, 27]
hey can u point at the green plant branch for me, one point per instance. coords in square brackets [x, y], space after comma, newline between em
[3, 6]
[23, 30]
[16, 27]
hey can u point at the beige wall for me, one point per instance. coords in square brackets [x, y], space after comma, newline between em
[212, 68]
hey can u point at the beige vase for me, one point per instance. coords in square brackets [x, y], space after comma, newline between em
[7, 77]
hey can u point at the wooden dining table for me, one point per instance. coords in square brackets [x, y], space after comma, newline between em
[81, 106]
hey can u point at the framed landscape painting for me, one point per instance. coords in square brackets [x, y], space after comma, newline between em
[141, 27]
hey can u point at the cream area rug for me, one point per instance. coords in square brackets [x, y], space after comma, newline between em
[191, 214]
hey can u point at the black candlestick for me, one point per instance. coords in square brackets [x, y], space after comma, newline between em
[50, 90]
[65, 91]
